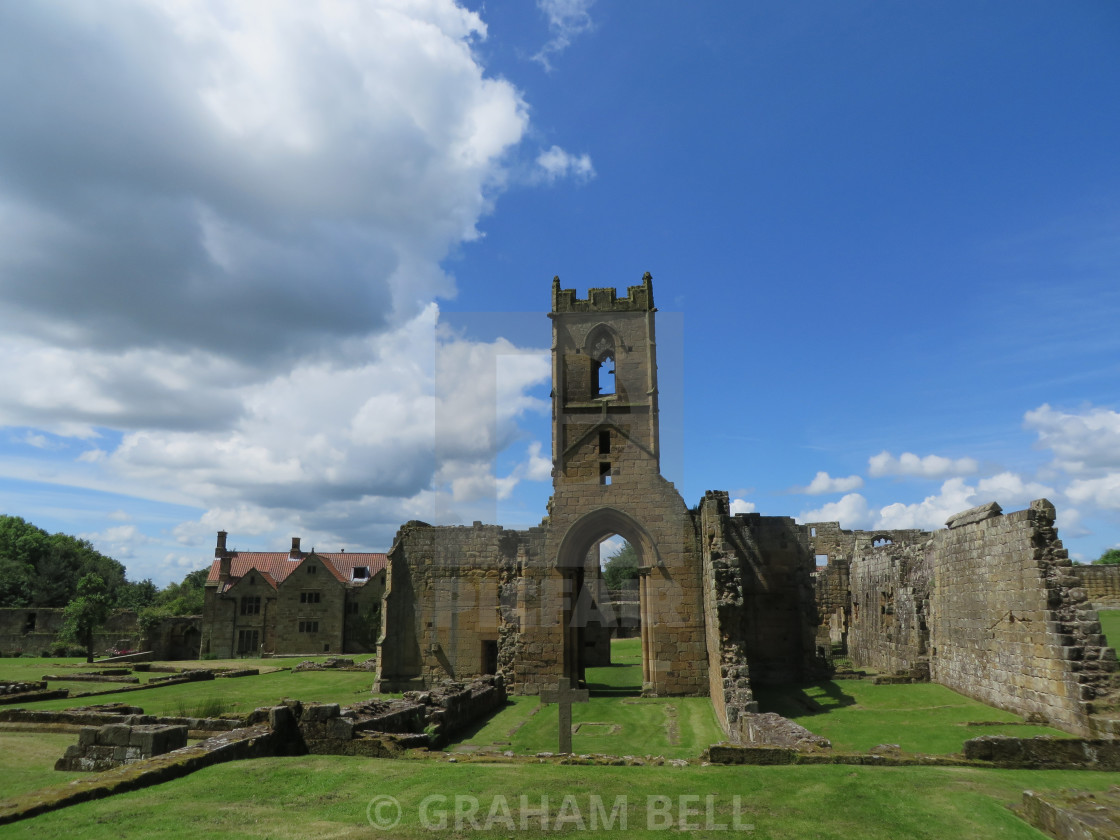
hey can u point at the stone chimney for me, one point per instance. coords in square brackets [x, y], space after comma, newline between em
[295, 553]
[224, 560]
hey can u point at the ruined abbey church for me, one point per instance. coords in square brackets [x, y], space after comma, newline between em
[989, 606]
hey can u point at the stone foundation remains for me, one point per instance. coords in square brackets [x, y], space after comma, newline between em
[105, 747]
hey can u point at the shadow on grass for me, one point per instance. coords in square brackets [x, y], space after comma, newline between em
[468, 732]
[797, 701]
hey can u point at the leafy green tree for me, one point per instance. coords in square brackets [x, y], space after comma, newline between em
[184, 598]
[1111, 557]
[136, 595]
[86, 613]
[15, 584]
[621, 567]
[38, 569]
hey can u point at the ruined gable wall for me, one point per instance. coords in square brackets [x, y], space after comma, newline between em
[443, 602]
[1102, 585]
[1009, 624]
[778, 600]
[728, 669]
[831, 582]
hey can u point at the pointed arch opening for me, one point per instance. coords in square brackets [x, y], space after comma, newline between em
[604, 614]
[602, 348]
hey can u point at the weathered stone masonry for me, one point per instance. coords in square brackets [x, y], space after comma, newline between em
[990, 607]
[723, 600]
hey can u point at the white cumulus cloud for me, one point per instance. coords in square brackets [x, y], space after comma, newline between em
[851, 511]
[554, 163]
[742, 506]
[220, 255]
[909, 464]
[1084, 443]
[824, 483]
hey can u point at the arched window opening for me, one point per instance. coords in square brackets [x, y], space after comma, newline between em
[604, 376]
[601, 349]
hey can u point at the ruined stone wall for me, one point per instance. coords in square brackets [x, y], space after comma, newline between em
[1009, 623]
[889, 606]
[832, 587]
[363, 615]
[35, 631]
[647, 511]
[105, 747]
[1102, 586]
[778, 600]
[443, 616]
[828, 539]
[995, 610]
[729, 684]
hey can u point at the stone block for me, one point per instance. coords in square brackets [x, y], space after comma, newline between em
[320, 713]
[114, 735]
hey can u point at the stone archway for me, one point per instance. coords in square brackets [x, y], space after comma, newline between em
[582, 601]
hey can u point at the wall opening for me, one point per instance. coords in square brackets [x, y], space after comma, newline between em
[490, 656]
[822, 560]
[607, 645]
[604, 376]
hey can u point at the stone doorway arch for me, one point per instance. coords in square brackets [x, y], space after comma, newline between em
[583, 603]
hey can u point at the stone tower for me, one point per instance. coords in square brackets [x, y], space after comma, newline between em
[604, 376]
[607, 481]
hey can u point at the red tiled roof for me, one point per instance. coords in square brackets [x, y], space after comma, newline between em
[278, 565]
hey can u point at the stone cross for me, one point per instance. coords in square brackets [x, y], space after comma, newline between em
[565, 695]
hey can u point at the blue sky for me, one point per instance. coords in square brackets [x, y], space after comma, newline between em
[282, 268]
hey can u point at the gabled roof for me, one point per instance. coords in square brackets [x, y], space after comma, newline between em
[268, 579]
[277, 565]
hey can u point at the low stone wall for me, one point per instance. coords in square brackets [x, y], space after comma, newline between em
[1102, 586]
[102, 677]
[1074, 814]
[21, 687]
[131, 715]
[1045, 753]
[105, 747]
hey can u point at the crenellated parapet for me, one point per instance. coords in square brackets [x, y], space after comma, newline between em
[638, 299]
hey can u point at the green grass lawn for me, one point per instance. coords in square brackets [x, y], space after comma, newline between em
[27, 761]
[328, 796]
[857, 715]
[677, 727]
[1110, 625]
[623, 677]
[237, 695]
[616, 721]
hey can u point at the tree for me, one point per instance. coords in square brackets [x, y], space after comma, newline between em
[1111, 557]
[184, 598]
[38, 569]
[86, 613]
[621, 567]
